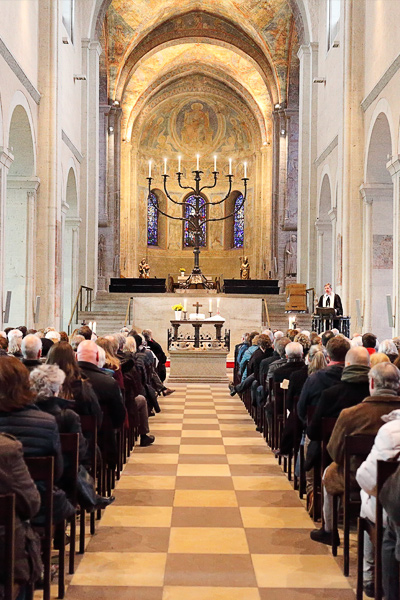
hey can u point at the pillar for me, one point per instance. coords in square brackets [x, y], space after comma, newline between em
[394, 169]
[6, 159]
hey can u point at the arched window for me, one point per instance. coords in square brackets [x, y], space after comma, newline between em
[188, 232]
[238, 223]
[152, 220]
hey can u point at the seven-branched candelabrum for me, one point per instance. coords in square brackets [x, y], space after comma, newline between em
[195, 211]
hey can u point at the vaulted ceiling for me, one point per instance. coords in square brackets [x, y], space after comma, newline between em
[249, 46]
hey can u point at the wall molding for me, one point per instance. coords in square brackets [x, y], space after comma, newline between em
[318, 161]
[71, 146]
[382, 83]
[19, 72]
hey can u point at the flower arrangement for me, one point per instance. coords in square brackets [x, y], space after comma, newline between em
[177, 307]
[182, 269]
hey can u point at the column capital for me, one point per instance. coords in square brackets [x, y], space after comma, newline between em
[322, 226]
[23, 183]
[393, 166]
[73, 222]
[6, 157]
[88, 44]
[371, 191]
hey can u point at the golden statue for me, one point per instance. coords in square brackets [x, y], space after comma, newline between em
[245, 269]
[144, 269]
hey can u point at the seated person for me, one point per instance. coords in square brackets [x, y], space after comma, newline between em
[31, 348]
[369, 342]
[264, 351]
[364, 418]
[390, 499]
[386, 447]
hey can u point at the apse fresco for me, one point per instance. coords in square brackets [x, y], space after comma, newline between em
[196, 126]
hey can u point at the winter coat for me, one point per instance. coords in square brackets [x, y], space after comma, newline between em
[315, 385]
[245, 359]
[386, 447]
[15, 479]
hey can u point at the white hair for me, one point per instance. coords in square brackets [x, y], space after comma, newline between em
[388, 347]
[278, 335]
[356, 341]
[102, 357]
[124, 331]
[3, 334]
[14, 341]
[269, 333]
[306, 332]
[294, 350]
[386, 376]
[31, 346]
[130, 344]
[54, 336]
[335, 331]
[46, 380]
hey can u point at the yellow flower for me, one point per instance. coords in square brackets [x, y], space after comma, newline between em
[177, 307]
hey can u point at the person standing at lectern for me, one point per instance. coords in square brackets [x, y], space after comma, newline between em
[331, 300]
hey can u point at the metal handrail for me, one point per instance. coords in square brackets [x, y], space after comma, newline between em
[78, 300]
[128, 312]
[266, 313]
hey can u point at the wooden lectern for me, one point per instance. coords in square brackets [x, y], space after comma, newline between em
[296, 297]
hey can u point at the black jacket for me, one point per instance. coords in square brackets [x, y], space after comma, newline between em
[297, 380]
[337, 304]
[286, 370]
[264, 366]
[315, 385]
[31, 363]
[253, 366]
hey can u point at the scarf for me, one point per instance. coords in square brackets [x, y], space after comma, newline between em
[355, 374]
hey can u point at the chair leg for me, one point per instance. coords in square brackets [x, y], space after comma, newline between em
[92, 523]
[82, 531]
[346, 541]
[72, 546]
[334, 525]
[302, 483]
[360, 557]
[61, 561]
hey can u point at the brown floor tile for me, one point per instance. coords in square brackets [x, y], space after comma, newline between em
[209, 570]
[130, 539]
[157, 449]
[94, 592]
[267, 498]
[166, 432]
[195, 459]
[240, 449]
[246, 433]
[200, 427]
[255, 470]
[204, 483]
[145, 497]
[306, 594]
[141, 469]
[201, 440]
[283, 541]
[227, 421]
[206, 517]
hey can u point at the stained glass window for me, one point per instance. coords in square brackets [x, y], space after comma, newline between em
[188, 234]
[238, 223]
[152, 221]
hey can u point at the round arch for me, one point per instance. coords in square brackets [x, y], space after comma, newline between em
[19, 99]
[70, 244]
[325, 250]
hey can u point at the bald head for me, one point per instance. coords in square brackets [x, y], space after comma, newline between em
[357, 356]
[88, 351]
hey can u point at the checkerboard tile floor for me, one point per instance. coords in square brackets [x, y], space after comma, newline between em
[205, 514]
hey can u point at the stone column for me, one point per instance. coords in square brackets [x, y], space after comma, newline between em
[307, 183]
[321, 228]
[332, 214]
[366, 196]
[266, 212]
[6, 159]
[394, 169]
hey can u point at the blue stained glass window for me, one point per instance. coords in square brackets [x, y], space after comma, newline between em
[238, 223]
[152, 221]
[188, 234]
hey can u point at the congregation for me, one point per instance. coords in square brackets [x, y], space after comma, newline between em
[82, 400]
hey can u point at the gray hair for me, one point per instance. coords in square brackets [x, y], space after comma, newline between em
[14, 341]
[102, 357]
[46, 380]
[119, 338]
[278, 335]
[269, 333]
[75, 341]
[130, 344]
[396, 342]
[31, 346]
[124, 331]
[387, 347]
[294, 350]
[356, 341]
[54, 336]
[386, 376]
[281, 345]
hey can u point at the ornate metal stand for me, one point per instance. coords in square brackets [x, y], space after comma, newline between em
[195, 218]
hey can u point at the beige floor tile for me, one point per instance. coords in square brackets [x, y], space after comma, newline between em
[245, 441]
[121, 569]
[209, 593]
[137, 516]
[199, 421]
[219, 498]
[261, 483]
[163, 440]
[146, 482]
[251, 459]
[200, 411]
[301, 571]
[203, 470]
[208, 540]
[275, 517]
[198, 449]
[238, 427]
[205, 433]
[154, 459]
[155, 426]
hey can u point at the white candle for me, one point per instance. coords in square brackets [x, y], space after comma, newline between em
[90, 325]
[215, 162]
[230, 166]
[218, 299]
[149, 168]
[198, 162]
[185, 304]
[94, 327]
[179, 164]
[165, 166]
[245, 169]
[209, 305]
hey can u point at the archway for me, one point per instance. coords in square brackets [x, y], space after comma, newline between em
[325, 237]
[378, 228]
[20, 220]
[70, 245]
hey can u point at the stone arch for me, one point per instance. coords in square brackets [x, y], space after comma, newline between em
[324, 234]
[162, 220]
[70, 243]
[20, 214]
[230, 222]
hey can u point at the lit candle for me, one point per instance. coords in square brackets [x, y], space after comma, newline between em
[198, 162]
[230, 166]
[149, 168]
[90, 325]
[179, 164]
[218, 299]
[165, 166]
[185, 304]
[94, 327]
[210, 305]
[245, 170]
[215, 162]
